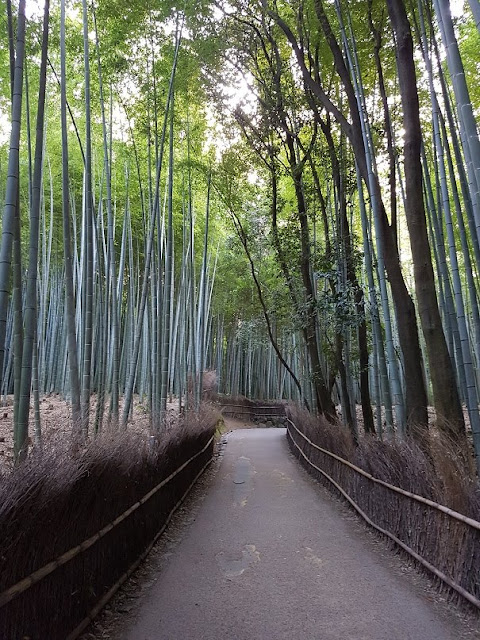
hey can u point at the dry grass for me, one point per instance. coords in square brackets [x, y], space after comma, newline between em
[56, 422]
[58, 499]
[450, 545]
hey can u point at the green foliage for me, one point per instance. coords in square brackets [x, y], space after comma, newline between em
[469, 41]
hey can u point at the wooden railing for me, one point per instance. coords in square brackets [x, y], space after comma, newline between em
[253, 411]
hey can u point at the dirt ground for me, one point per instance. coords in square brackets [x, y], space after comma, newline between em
[55, 415]
[232, 424]
[55, 418]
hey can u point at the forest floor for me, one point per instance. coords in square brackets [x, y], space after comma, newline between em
[56, 425]
[232, 424]
[55, 416]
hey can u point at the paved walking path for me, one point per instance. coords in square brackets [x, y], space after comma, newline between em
[271, 556]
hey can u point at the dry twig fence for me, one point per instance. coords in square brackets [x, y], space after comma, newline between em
[60, 598]
[444, 542]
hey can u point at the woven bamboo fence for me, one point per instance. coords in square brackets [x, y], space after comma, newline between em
[443, 541]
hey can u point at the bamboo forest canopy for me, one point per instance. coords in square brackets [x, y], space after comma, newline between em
[287, 193]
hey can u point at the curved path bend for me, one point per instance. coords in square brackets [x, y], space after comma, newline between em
[270, 556]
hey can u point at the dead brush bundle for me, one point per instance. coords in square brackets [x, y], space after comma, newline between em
[56, 501]
[449, 544]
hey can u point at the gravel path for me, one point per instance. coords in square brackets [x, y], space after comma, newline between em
[270, 556]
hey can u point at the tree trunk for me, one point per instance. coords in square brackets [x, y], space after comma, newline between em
[446, 398]
[21, 426]
[11, 191]
[324, 400]
[67, 243]
[87, 307]
[415, 392]
[346, 239]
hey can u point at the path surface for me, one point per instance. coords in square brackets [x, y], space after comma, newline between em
[271, 557]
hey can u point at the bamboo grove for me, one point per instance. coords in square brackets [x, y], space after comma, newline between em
[287, 193]
[98, 305]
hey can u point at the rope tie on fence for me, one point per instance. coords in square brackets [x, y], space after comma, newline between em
[38, 575]
[450, 512]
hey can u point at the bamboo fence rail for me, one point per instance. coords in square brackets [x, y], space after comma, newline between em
[27, 614]
[21, 586]
[457, 550]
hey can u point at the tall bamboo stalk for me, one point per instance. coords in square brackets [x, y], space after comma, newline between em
[11, 191]
[21, 426]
